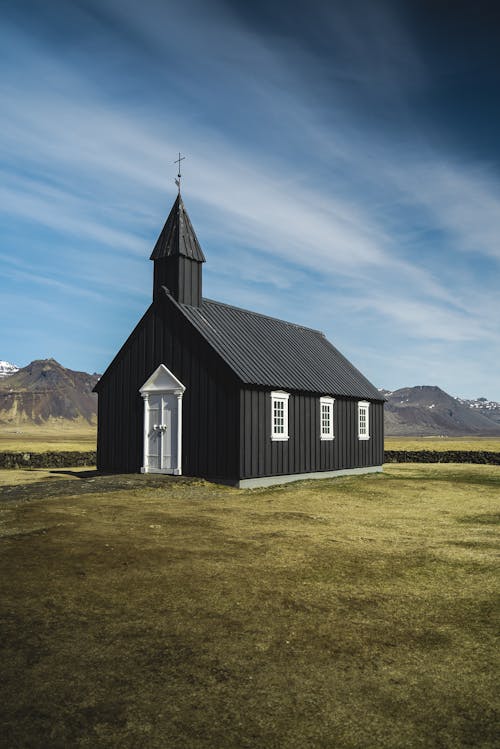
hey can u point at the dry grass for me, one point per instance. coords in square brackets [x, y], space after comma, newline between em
[143, 612]
[490, 444]
[58, 436]
[80, 436]
[25, 476]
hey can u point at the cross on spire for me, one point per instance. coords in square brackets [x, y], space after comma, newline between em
[178, 162]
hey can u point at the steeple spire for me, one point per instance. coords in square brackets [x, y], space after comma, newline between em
[178, 258]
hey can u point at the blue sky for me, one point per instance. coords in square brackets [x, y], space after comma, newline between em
[342, 171]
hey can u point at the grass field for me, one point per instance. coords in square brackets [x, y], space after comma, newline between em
[144, 612]
[491, 444]
[82, 437]
[59, 437]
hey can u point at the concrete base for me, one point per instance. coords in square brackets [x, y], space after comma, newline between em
[169, 472]
[287, 478]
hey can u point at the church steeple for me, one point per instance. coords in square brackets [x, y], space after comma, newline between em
[178, 258]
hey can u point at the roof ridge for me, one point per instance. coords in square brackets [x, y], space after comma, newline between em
[260, 314]
[263, 351]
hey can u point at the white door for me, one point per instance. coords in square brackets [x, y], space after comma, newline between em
[162, 393]
[161, 435]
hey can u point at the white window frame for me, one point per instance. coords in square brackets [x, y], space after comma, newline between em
[364, 406]
[279, 396]
[327, 402]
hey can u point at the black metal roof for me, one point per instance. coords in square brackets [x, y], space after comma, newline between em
[268, 352]
[178, 236]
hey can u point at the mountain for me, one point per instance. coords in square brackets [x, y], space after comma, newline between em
[7, 369]
[491, 409]
[45, 390]
[426, 410]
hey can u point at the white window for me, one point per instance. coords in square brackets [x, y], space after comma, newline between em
[279, 415]
[363, 420]
[326, 418]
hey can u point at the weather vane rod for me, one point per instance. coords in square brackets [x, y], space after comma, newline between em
[178, 162]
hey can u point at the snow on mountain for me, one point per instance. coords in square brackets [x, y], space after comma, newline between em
[491, 409]
[480, 403]
[6, 369]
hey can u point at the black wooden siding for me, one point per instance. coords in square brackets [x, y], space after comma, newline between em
[304, 451]
[182, 276]
[210, 404]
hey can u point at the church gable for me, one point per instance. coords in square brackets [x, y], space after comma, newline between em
[141, 326]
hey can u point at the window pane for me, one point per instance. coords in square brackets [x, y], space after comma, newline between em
[362, 420]
[279, 417]
[326, 422]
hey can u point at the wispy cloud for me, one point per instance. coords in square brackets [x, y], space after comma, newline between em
[293, 181]
[463, 200]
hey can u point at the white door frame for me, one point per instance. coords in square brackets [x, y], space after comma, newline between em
[162, 382]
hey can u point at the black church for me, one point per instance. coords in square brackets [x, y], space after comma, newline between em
[206, 389]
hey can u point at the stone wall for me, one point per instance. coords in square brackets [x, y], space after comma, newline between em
[47, 460]
[438, 456]
[70, 459]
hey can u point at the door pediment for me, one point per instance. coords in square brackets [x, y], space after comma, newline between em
[162, 380]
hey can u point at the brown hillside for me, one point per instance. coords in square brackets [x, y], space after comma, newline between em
[44, 390]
